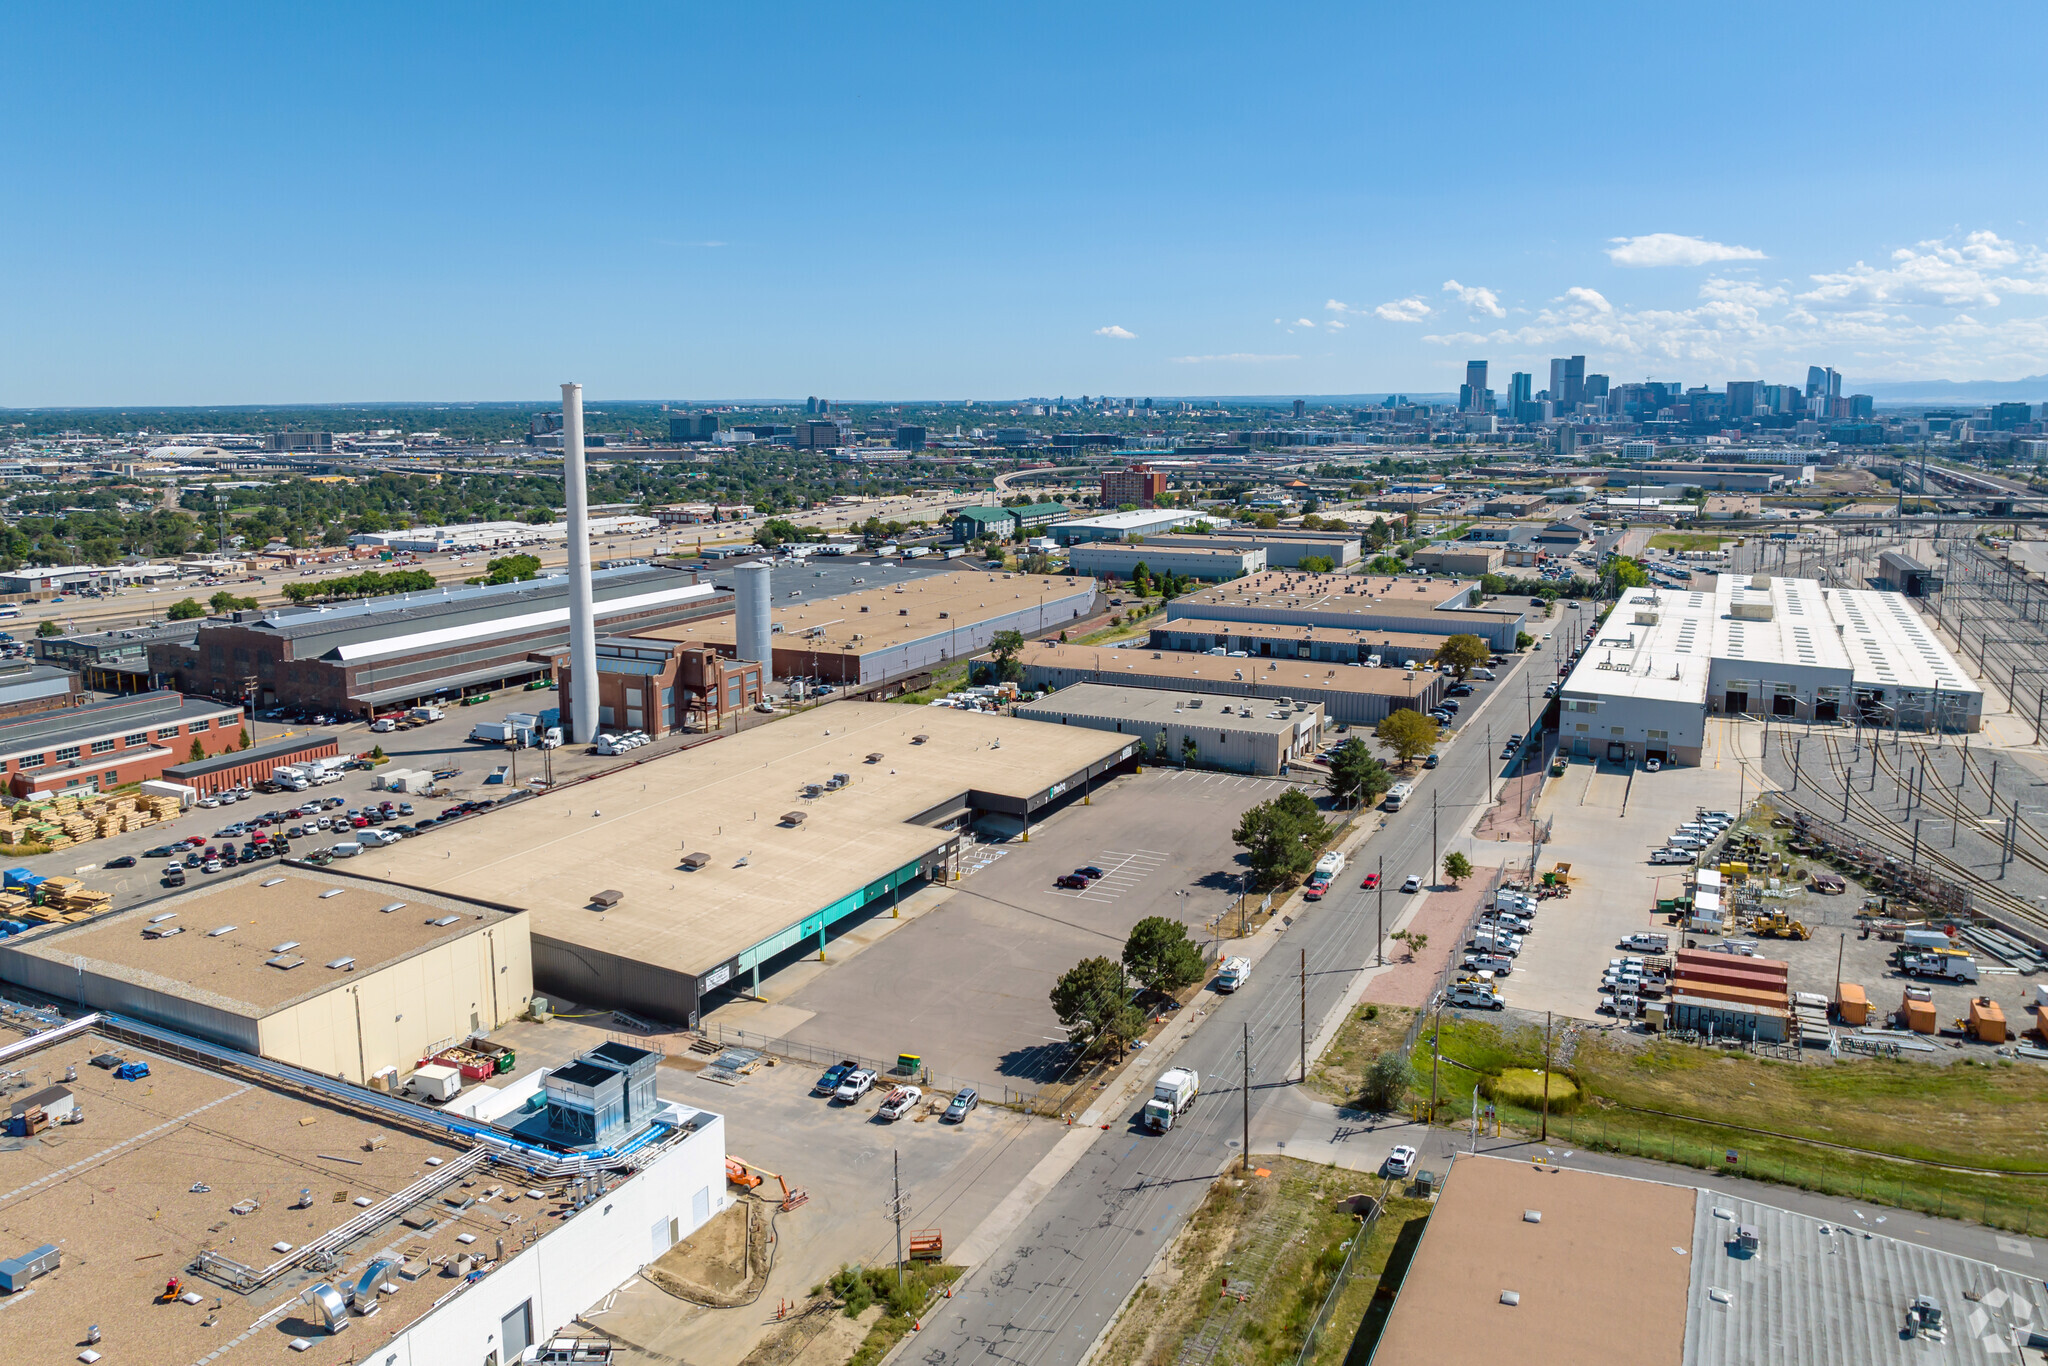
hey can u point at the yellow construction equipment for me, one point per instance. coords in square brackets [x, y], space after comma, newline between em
[1776, 925]
[747, 1176]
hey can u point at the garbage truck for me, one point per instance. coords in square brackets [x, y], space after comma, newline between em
[1172, 1094]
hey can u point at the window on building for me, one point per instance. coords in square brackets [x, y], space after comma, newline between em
[140, 737]
[68, 752]
[166, 732]
[203, 723]
[111, 777]
[101, 747]
[31, 761]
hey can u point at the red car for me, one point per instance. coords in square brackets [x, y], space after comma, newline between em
[1072, 880]
[1315, 891]
[196, 841]
[1372, 880]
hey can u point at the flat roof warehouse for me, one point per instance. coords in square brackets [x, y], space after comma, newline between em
[764, 886]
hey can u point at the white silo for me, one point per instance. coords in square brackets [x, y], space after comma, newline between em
[582, 614]
[753, 595]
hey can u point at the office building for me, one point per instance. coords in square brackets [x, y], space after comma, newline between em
[1568, 382]
[1433, 607]
[1285, 548]
[694, 427]
[1473, 395]
[1115, 526]
[26, 689]
[822, 434]
[1824, 384]
[1745, 398]
[1521, 397]
[909, 438]
[1208, 562]
[1349, 693]
[1206, 730]
[315, 443]
[1300, 409]
[1139, 485]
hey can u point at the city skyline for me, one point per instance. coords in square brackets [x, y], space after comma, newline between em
[957, 206]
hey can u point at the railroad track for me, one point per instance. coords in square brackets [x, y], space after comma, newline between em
[1886, 832]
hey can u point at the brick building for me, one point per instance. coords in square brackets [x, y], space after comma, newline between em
[26, 689]
[386, 653]
[1140, 484]
[106, 744]
[248, 767]
[663, 686]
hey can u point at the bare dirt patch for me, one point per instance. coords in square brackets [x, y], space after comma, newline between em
[722, 1265]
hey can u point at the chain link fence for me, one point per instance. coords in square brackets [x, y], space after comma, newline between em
[887, 1069]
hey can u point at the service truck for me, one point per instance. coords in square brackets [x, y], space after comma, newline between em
[424, 714]
[434, 1083]
[1172, 1094]
[1329, 865]
[1947, 965]
[1233, 973]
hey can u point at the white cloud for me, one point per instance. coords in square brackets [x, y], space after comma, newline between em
[1304, 322]
[1578, 296]
[1116, 333]
[1979, 272]
[1673, 249]
[1234, 358]
[1339, 306]
[1742, 292]
[1409, 310]
[1475, 298]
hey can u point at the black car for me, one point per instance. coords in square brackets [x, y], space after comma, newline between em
[193, 859]
[1090, 871]
[125, 861]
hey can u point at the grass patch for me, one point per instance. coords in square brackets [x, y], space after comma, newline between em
[1284, 1235]
[1991, 1115]
[856, 1288]
[1371, 1030]
[945, 679]
[22, 850]
[1688, 541]
[1376, 1278]
[1525, 1087]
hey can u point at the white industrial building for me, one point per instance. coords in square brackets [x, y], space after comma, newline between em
[1115, 526]
[1208, 563]
[1759, 646]
[428, 540]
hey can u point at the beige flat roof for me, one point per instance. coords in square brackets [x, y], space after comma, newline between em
[1287, 630]
[231, 971]
[1287, 590]
[114, 1193]
[1601, 1278]
[932, 603]
[629, 830]
[1275, 673]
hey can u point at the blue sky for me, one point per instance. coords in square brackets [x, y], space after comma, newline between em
[294, 204]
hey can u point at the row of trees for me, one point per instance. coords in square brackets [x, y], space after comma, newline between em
[371, 583]
[1098, 1000]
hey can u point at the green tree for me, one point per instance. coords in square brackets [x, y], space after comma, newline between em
[1379, 535]
[185, 609]
[1266, 521]
[1141, 580]
[1408, 733]
[1386, 1081]
[1523, 640]
[1385, 564]
[1456, 867]
[244, 741]
[1159, 955]
[540, 516]
[1415, 941]
[48, 629]
[1624, 573]
[1280, 837]
[197, 752]
[510, 569]
[224, 601]
[1355, 775]
[1317, 564]
[1093, 1002]
[1190, 750]
[1007, 646]
[1462, 653]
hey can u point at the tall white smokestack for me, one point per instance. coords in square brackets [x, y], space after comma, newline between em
[752, 638]
[582, 615]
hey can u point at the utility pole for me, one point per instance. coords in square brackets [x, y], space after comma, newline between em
[1435, 849]
[1845, 793]
[1916, 845]
[1435, 1046]
[1247, 1094]
[1380, 886]
[1991, 795]
[1546, 1073]
[1304, 1017]
[896, 1209]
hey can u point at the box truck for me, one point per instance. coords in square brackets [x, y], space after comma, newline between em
[1172, 1094]
[1233, 974]
[435, 1084]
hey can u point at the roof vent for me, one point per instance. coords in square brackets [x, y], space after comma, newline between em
[343, 964]
[160, 919]
[217, 933]
[394, 906]
[164, 933]
[1532, 1216]
[286, 947]
[1510, 1298]
[286, 962]
[444, 921]
[270, 882]
[331, 891]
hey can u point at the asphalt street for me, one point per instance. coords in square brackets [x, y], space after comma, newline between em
[1059, 1278]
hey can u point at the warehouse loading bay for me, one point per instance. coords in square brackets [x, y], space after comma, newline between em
[961, 977]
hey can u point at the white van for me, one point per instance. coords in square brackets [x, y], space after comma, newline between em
[1486, 674]
[346, 849]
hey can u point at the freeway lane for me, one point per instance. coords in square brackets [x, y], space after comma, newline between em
[1043, 1298]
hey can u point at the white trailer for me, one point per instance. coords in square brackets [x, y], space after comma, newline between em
[156, 787]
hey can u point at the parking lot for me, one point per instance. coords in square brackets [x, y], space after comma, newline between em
[954, 1176]
[1607, 818]
[966, 984]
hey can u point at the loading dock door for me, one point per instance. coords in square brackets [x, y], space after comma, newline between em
[1735, 703]
[1784, 704]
